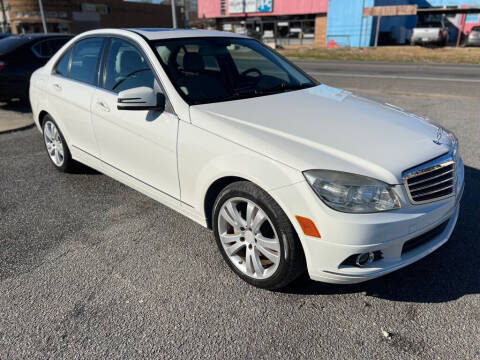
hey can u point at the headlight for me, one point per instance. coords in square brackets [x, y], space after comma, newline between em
[352, 193]
[454, 145]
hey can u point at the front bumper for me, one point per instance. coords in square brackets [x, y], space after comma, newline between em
[473, 41]
[343, 235]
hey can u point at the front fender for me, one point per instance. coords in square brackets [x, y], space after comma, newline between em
[204, 157]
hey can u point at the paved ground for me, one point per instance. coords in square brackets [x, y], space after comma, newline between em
[14, 116]
[92, 269]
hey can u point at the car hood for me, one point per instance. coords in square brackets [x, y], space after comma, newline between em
[325, 128]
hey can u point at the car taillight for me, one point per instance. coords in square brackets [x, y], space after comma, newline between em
[3, 65]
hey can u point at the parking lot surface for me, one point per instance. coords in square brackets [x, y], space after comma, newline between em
[92, 269]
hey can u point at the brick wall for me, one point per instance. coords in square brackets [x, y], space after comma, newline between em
[320, 30]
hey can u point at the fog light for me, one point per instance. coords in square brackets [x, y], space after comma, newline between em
[365, 259]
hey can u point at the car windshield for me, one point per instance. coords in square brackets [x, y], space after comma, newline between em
[476, 28]
[206, 70]
[12, 43]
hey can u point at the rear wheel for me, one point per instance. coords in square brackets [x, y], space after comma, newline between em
[256, 238]
[56, 145]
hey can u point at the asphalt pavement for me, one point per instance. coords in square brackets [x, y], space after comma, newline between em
[90, 269]
[15, 115]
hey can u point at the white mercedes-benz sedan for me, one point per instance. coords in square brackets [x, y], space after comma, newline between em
[290, 174]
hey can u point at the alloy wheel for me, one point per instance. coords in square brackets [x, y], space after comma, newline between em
[53, 142]
[249, 238]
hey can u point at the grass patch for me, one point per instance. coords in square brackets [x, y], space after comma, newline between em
[409, 54]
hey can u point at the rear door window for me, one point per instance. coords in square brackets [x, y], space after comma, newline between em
[85, 59]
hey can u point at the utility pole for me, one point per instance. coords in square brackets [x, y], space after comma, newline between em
[174, 15]
[4, 22]
[42, 14]
[379, 18]
[361, 26]
[187, 16]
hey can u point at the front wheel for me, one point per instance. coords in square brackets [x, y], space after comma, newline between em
[255, 237]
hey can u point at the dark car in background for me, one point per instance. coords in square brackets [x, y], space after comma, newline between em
[20, 56]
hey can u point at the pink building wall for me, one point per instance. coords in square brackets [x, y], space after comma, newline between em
[211, 8]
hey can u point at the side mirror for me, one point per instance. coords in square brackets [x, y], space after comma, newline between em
[140, 98]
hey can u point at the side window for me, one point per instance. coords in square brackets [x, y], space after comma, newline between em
[62, 65]
[126, 68]
[86, 54]
[42, 49]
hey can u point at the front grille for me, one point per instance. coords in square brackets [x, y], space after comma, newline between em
[431, 181]
[424, 238]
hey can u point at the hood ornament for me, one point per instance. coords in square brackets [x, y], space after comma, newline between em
[438, 137]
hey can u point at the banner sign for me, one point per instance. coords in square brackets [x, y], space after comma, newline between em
[236, 6]
[390, 10]
[249, 6]
[264, 5]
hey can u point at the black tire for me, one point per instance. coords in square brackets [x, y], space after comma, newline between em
[68, 164]
[291, 266]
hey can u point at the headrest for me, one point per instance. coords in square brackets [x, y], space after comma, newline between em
[193, 62]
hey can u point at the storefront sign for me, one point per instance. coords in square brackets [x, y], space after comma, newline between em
[264, 5]
[249, 6]
[235, 6]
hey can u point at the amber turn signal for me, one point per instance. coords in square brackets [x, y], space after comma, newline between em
[308, 226]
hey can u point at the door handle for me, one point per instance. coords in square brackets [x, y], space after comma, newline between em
[103, 106]
[57, 87]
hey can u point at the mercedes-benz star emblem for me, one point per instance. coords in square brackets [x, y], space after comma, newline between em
[438, 136]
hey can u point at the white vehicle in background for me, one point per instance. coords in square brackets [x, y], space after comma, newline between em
[290, 174]
[473, 37]
[432, 35]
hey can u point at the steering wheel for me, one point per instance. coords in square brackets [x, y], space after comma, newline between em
[123, 78]
[251, 70]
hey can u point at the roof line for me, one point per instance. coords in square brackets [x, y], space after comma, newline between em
[136, 32]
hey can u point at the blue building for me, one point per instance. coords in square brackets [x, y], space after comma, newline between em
[347, 27]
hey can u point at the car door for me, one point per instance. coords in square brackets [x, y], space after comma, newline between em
[71, 88]
[140, 143]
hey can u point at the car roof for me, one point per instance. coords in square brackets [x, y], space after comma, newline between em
[169, 33]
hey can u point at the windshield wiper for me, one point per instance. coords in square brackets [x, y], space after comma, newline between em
[237, 95]
[283, 87]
